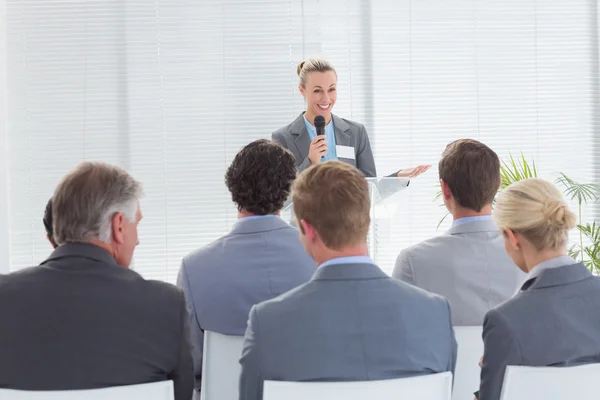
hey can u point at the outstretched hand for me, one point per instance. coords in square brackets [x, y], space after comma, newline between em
[413, 172]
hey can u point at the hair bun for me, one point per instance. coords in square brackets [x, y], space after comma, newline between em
[557, 213]
[300, 66]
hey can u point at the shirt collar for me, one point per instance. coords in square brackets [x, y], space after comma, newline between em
[348, 260]
[477, 218]
[555, 262]
[252, 217]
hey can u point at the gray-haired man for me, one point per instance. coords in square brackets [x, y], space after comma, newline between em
[82, 319]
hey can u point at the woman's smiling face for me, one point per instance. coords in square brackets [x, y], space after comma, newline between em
[320, 93]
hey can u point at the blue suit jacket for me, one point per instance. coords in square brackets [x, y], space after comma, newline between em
[350, 322]
[258, 260]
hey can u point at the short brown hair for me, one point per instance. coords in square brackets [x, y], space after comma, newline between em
[334, 198]
[260, 177]
[472, 172]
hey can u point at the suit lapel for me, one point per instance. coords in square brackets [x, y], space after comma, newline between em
[301, 137]
[342, 132]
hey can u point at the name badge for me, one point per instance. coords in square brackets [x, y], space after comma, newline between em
[345, 152]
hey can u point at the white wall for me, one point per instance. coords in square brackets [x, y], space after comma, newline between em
[4, 242]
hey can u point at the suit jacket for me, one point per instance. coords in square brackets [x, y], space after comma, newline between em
[351, 322]
[80, 321]
[258, 260]
[468, 265]
[554, 322]
[295, 138]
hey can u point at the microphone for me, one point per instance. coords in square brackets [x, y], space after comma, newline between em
[320, 124]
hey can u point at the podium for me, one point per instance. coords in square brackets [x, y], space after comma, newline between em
[386, 195]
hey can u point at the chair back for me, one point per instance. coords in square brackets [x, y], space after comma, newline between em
[426, 387]
[467, 372]
[147, 391]
[551, 383]
[220, 366]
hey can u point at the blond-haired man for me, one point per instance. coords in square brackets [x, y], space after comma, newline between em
[351, 322]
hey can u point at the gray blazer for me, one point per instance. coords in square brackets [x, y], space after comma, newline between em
[80, 321]
[554, 322]
[295, 138]
[350, 322]
[258, 260]
[468, 265]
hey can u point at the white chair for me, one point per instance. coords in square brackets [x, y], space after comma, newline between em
[146, 391]
[428, 387]
[467, 372]
[220, 366]
[551, 383]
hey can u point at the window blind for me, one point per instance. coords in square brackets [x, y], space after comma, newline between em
[171, 90]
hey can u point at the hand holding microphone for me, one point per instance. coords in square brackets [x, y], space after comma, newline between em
[318, 147]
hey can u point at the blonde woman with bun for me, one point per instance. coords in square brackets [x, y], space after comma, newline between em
[554, 319]
[343, 140]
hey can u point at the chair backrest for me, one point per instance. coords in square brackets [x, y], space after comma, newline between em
[146, 391]
[220, 366]
[551, 383]
[428, 387]
[467, 372]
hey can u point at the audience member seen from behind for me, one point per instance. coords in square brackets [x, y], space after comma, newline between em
[259, 259]
[85, 320]
[351, 322]
[47, 220]
[468, 264]
[554, 319]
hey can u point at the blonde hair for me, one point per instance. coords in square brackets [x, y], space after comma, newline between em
[313, 64]
[536, 209]
[333, 197]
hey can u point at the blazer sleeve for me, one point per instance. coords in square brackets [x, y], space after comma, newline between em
[501, 349]
[278, 138]
[183, 374]
[252, 375]
[453, 343]
[196, 334]
[403, 269]
[364, 155]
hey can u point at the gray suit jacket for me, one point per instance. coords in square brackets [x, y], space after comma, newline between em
[258, 260]
[295, 138]
[554, 322]
[351, 322]
[468, 265]
[80, 321]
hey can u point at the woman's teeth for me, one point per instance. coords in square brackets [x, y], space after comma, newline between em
[324, 107]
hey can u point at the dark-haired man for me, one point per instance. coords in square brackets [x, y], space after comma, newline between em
[259, 259]
[468, 265]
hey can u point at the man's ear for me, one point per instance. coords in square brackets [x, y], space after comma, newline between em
[118, 228]
[446, 192]
[308, 230]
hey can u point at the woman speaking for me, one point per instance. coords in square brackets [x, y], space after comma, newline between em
[341, 139]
